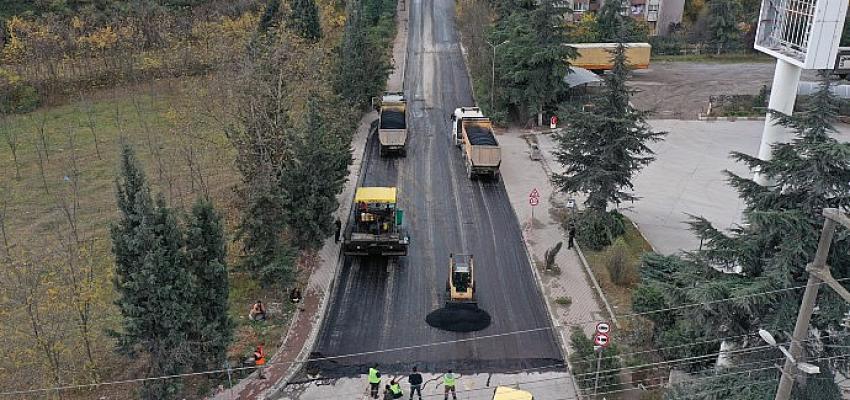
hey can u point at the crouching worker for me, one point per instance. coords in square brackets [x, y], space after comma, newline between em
[260, 362]
[258, 312]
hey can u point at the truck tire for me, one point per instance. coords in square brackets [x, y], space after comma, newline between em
[383, 152]
[403, 152]
[448, 287]
[469, 171]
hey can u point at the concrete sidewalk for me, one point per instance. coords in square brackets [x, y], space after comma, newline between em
[521, 175]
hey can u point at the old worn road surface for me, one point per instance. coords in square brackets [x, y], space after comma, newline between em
[379, 305]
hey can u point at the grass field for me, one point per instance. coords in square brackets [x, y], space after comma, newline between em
[730, 58]
[177, 129]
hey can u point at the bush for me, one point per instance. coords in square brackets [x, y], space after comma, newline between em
[280, 270]
[584, 359]
[620, 265]
[596, 230]
[649, 298]
[16, 96]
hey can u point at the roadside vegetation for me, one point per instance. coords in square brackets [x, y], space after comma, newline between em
[768, 253]
[188, 94]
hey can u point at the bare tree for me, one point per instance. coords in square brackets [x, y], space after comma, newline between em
[5, 194]
[91, 121]
[11, 136]
[40, 125]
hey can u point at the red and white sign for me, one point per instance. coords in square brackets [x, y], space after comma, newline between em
[603, 327]
[553, 122]
[534, 193]
[534, 201]
[601, 339]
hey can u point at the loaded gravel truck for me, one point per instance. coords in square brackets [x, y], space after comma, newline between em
[376, 226]
[392, 125]
[473, 133]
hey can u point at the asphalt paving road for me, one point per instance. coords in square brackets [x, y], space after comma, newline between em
[378, 305]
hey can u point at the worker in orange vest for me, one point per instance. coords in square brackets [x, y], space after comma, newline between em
[260, 362]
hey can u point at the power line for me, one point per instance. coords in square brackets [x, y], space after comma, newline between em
[217, 371]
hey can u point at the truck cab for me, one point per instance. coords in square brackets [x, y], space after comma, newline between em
[456, 132]
[507, 393]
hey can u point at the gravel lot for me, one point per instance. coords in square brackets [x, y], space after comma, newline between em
[680, 90]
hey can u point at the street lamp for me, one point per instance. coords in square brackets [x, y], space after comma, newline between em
[818, 273]
[804, 367]
[493, 71]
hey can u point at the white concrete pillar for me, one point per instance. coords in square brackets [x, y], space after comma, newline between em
[783, 93]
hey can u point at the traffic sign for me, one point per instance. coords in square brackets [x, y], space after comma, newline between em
[534, 193]
[534, 201]
[601, 339]
[603, 327]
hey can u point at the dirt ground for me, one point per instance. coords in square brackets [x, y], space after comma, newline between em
[680, 90]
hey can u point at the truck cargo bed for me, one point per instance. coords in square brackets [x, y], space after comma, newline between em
[393, 119]
[480, 135]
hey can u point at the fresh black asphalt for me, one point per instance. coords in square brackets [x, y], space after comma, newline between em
[377, 306]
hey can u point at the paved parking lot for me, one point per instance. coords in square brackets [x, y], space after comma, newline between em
[687, 178]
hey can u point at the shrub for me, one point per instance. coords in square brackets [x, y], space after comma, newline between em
[564, 301]
[16, 96]
[596, 230]
[620, 265]
[584, 359]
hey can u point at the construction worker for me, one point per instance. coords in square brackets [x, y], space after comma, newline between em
[415, 380]
[374, 380]
[449, 381]
[395, 388]
[260, 362]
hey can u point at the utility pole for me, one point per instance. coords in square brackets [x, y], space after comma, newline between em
[493, 72]
[818, 273]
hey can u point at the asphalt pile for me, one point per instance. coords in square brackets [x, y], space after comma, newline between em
[459, 319]
[392, 119]
[480, 135]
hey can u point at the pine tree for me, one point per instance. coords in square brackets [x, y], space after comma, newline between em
[362, 66]
[603, 148]
[205, 260]
[784, 220]
[723, 23]
[151, 280]
[304, 19]
[269, 17]
[613, 24]
[261, 231]
[532, 61]
[315, 175]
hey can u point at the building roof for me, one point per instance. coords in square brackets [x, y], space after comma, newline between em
[376, 195]
[578, 76]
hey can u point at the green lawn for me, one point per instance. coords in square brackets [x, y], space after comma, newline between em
[731, 58]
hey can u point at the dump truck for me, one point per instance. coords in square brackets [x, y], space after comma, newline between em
[460, 285]
[506, 393]
[597, 56]
[376, 227]
[474, 134]
[392, 124]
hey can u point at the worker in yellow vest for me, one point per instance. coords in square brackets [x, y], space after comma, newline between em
[374, 380]
[449, 381]
[395, 389]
